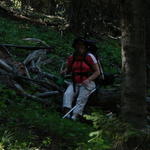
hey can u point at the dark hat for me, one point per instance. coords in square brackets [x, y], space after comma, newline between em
[91, 44]
[79, 40]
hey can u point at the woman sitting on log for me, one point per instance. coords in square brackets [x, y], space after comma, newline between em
[84, 68]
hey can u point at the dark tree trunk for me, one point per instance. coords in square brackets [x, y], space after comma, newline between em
[75, 15]
[25, 4]
[147, 12]
[81, 16]
[133, 63]
[51, 7]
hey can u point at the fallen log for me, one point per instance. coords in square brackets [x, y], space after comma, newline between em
[47, 85]
[17, 75]
[5, 66]
[35, 57]
[105, 99]
[109, 99]
[43, 83]
[47, 94]
[26, 47]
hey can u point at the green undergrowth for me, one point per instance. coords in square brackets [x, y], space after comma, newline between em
[112, 133]
[13, 32]
[29, 125]
[36, 125]
[110, 53]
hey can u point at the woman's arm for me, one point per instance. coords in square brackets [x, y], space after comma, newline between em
[94, 75]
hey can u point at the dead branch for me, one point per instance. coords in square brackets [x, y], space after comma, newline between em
[114, 38]
[35, 57]
[48, 75]
[21, 90]
[42, 83]
[26, 47]
[5, 66]
[18, 73]
[45, 62]
[27, 73]
[47, 94]
[36, 40]
[7, 51]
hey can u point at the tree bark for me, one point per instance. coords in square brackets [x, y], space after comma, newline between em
[51, 7]
[147, 12]
[25, 4]
[75, 16]
[133, 63]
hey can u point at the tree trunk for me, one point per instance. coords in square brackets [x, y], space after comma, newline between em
[79, 15]
[25, 4]
[133, 63]
[51, 7]
[73, 12]
[147, 12]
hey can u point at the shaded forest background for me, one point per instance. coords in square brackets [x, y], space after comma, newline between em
[75, 15]
[122, 41]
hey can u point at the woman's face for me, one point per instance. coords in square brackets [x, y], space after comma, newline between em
[81, 47]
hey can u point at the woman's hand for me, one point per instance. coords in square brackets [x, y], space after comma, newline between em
[86, 82]
[63, 72]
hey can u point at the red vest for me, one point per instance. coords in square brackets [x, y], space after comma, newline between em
[80, 68]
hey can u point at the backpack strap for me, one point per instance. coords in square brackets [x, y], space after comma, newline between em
[85, 60]
[99, 65]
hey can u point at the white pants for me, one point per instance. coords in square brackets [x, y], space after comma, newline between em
[82, 93]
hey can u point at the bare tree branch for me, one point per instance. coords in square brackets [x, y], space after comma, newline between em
[36, 40]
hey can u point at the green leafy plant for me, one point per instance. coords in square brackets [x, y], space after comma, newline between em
[111, 132]
[110, 53]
